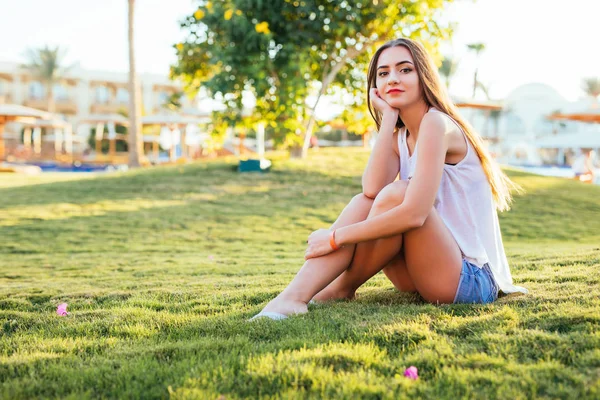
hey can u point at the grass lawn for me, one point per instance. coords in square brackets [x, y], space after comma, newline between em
[161, 268]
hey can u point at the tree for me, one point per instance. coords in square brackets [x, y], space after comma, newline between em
[448, 69]
[135, 144]
[173, 102]
[485, 89]
[591, 87]
[45, 64]
[477, 48]
[283, 52]
[493, 115]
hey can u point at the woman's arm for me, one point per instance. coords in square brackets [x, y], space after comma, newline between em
[384, 161]
[418, 199]
[420, 193]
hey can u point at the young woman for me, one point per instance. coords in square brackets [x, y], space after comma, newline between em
[435, 230]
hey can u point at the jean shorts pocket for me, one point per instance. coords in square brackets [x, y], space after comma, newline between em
[470, 269]
[490, 284]
[476, 285]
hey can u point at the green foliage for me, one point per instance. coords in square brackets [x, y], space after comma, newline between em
[477, 48]
[448, 69]
[121, 145]
[173, 102]
[161, 268]
[46, 64]
[283, 51]
[337, 135]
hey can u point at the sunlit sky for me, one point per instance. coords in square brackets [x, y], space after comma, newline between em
[547, 41]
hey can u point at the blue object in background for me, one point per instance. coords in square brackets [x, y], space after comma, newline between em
[254, 165]
[77, 167]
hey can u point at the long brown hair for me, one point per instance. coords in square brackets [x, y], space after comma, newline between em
[435, 95]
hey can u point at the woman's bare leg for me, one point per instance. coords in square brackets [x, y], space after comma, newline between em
[373, 256]
[433, 259]
[430, 260]
[397, 272]
[321, 271]
[435, 274]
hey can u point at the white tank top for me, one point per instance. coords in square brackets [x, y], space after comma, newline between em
[465, 203]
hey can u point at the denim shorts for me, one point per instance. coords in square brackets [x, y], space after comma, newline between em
[476, 285]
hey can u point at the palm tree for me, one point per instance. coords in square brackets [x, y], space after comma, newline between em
[448, 69]
[477, 48]
[45, 64]
[488, 114]
[591, 87]
[485, 89]
[135, 105]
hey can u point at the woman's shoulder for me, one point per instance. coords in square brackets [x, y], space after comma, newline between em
[440, 121]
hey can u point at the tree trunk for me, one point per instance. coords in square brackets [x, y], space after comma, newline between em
[328, 77]
[50, 98]
[2, 123]
[135, 107]
[310, 126]
[475, 83]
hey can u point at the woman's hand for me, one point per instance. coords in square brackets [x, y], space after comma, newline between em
[318, 244]
[379, 103]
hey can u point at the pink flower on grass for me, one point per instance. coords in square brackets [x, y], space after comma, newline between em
[411, 372]
[62, 310]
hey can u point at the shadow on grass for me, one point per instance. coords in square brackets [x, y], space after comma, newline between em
[164, 183]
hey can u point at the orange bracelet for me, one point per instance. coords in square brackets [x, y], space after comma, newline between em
[332, 241]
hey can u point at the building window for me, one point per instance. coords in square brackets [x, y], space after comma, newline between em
[60, 93]
[122, 96]
[36, 90]
[102, 94]
[163, 98]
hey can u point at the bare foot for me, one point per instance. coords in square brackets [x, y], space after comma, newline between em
[286, 306]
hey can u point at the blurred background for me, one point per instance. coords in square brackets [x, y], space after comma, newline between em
[242, 77]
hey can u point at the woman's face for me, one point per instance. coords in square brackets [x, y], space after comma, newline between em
[397, 80]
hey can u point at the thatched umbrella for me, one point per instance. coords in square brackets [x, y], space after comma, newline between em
[17, 113]
[170, 120]
[106, 119]
[480, 105]
[591, 115]
[53, 123]
[491, 110]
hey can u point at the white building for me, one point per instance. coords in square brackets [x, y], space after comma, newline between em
[81, 94]
[526, 135]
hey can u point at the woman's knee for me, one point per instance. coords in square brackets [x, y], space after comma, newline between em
[391, 196]
[362, 200]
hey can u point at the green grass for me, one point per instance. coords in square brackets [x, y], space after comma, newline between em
[162, 267]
